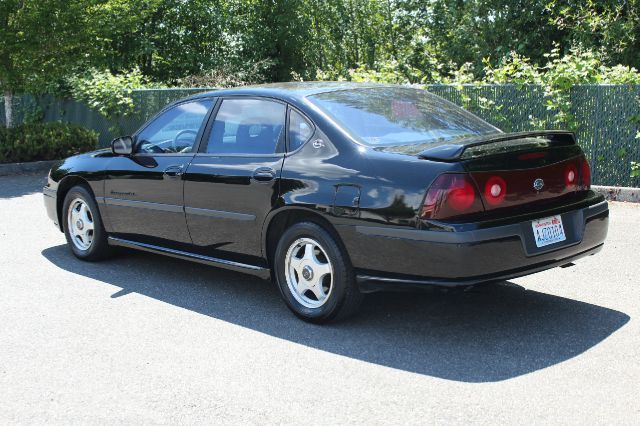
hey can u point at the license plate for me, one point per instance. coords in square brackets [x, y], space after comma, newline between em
[548, 231]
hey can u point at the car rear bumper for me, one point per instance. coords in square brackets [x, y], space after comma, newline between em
[391, 258]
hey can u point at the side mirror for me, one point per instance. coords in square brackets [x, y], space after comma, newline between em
[122, 145]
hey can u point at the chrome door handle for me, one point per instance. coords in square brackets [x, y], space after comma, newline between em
[264, 174]
[174, 171]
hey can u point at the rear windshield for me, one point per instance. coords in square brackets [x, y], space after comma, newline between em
[384, 116]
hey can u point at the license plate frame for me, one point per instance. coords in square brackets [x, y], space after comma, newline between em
[548, 230]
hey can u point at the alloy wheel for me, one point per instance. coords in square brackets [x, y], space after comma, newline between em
[309, 272]
[80, 224]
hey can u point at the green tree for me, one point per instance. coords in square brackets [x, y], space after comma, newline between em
[165, 39]
[40, 41]
[608, 26]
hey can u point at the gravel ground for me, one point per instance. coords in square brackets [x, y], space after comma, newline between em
[148, 339]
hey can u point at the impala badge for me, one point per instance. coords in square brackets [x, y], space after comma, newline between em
[538, 184]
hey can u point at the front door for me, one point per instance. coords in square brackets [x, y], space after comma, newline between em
[233, 181]
[144, 192]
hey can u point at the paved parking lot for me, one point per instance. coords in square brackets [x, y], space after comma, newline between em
[148, 339]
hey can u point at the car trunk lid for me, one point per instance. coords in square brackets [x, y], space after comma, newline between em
[527, 168]
[517, 171]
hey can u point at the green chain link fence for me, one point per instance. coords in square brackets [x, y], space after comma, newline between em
[607, 120]
[607, 117]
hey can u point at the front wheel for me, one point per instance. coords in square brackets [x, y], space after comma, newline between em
[83, 225]
[314, 274]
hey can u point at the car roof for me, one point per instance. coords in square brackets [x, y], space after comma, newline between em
[291, 90]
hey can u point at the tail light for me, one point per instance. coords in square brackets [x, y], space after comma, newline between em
[458, 195]
[451, 195]
[495, 190]
[585, 178]
[570, 176]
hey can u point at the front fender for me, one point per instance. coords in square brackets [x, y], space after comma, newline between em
[86, 169]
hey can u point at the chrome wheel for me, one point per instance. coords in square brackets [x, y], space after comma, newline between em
[309, 273]
[80, 224]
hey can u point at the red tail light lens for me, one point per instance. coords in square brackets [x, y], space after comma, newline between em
[495, 190]
[570, 176]
[585, 174]
[451, 195]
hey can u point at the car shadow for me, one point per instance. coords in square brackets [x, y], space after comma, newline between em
[491, 333]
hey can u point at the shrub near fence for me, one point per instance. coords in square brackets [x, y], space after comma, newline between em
[44, 141]
[606, 117]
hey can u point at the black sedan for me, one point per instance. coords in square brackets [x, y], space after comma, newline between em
[333, 190]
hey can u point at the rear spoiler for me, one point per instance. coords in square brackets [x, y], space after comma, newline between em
[454, 151]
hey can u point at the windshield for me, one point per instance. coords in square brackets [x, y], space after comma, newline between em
[384, 116]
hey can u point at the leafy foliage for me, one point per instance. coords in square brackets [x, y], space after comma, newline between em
[552, 43]
[41, 41]
[108, 94]
[228, 76]
[49, 141]
[558, 76]
[239, 41]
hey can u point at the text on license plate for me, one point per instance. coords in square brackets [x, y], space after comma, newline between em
[548, 231]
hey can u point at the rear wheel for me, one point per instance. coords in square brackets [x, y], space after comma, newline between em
[314, 274]
[83, 225]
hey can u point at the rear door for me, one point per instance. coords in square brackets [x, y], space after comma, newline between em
[144, 192]
[233, 181]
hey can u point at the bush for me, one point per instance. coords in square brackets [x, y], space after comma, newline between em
[44, 141]
[109, 94]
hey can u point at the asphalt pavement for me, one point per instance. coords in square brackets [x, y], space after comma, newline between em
[146, 339]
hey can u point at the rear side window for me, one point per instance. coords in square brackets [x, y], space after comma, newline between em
[247, 126]
[300, 130]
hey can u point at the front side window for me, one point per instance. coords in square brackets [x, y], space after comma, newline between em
[300, 130]
[247, 126]
[175, 130]
[399, 115]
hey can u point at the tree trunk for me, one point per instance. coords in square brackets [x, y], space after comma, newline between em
[8, 108]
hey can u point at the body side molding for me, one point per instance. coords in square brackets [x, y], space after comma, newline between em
[175, 208]
[143, 204]
[212, 261]
[219, 214]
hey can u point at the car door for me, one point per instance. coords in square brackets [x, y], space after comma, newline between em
[232, 182]
[144, 191]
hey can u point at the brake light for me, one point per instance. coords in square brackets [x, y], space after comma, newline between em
[532, 155]
[495, 190]
[570, 176]
[451, 195]
[585, 180]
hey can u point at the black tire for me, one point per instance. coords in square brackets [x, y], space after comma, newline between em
[344, 298]
[99, 248]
